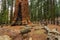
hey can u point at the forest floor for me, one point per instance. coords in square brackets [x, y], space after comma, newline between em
[37, 33]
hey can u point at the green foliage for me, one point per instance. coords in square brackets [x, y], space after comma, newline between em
[9, 2]
[4, 19]
[44, 9]
[5, 16]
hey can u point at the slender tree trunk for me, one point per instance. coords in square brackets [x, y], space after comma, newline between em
[11, 14]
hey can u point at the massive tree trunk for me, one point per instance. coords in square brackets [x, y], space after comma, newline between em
[21, 14]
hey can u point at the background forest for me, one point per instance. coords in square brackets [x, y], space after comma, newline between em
[39, 10]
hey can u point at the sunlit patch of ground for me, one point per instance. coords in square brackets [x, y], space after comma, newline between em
[54, 27]
[5, 37]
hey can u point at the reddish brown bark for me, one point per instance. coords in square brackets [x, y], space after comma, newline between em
[24, 11]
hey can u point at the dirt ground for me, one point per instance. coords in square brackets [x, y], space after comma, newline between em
[36, 32]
